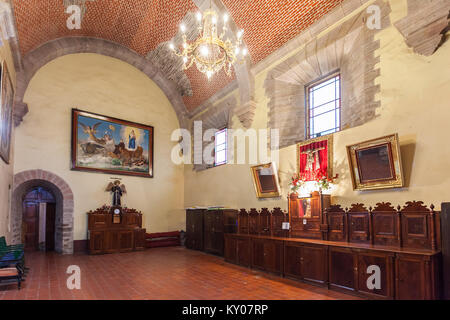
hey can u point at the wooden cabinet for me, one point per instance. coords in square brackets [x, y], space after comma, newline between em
[356, 270]
[342, 268]
[416, 277]
[371, 271]
[110, 233]
[194, 229]
[369, 264]
[205, 229]
[96, 242]
[306, 262]
[237, 250]
[213, 225]
[314, 266]
[267, 255]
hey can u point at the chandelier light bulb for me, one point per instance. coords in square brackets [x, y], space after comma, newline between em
[244, 52]
[204, 50]
[210, 52]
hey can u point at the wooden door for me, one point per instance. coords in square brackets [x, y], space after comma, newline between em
[218, 231]
[208, 235]
[273, 256]
[342, 268]
[125, 240]
[313, 262]
[30, 220]
[367, 283]
[243, 252]
[412, 277]
[96, 242]
[50, 215]
[258, 253]
[292, 260]
[230, 251]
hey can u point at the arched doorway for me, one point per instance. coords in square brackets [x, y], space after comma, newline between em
[38, 220]
[27, 181]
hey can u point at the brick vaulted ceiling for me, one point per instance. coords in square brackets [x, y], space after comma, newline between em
[143, 24]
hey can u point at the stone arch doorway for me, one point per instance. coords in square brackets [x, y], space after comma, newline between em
[27, 180]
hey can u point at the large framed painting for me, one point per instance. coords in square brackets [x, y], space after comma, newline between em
[109, 145]
[376, 164]
[315, 158]
[6, 112]
[265, 180]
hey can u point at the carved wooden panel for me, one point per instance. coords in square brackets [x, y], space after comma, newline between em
[277, 219]
[337, 223]
[243, 221]
[418, 226]
[264, 222]
[385, 225]
[358, 224]
[253, 221]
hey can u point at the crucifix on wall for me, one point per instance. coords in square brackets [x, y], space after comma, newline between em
[312, 159]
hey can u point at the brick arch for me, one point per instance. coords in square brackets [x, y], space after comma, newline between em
[53, 49]
[26, 180]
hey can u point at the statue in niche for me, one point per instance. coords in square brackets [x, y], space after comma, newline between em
[117, 191]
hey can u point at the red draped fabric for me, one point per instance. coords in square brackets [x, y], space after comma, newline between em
[319, 160]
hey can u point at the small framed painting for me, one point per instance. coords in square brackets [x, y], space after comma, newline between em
[265, 180]
[376, 164]
[6, 112]
[110, 145]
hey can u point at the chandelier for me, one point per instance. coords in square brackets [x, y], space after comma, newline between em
[210, 52]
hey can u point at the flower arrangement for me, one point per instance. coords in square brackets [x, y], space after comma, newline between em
[316, 182]
[296, 182]
[324, 183]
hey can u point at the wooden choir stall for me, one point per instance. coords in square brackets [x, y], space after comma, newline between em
[342, 248]
[115, 229]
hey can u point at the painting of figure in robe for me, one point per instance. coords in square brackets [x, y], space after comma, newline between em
[109, 145]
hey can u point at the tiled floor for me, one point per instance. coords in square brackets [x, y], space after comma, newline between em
[159, 273]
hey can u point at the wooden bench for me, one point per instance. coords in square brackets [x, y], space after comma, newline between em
[11, 275]
[162, 239]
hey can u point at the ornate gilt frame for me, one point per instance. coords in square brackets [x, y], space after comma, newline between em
[329, 138]
[396, 182]
[258, 191]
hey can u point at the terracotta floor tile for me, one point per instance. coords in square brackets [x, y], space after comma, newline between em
[173, 273]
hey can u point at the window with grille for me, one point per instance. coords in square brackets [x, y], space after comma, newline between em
[324, 107]
[220, 147]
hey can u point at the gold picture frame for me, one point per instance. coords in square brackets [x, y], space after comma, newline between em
[376, 164]
[329, 139]
[265, 180]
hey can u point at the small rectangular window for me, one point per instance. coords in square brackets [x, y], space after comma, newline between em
[220, 147]
[324, 107]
